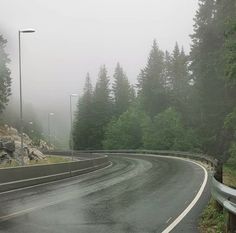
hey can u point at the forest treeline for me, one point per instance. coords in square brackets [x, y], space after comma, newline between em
[180, 102]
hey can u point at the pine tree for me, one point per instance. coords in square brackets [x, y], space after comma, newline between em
[178, 80]
[230, 42]
[208, 66]
[208, 83]
[5, 79]
[167, 69]
[151, 83]
[121, 90]
[102, 107]
[84, 119]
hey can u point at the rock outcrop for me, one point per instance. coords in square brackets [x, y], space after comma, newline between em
[10, 147]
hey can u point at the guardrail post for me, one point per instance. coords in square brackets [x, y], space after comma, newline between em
[219, 178]
[231, 223]
[219, 172]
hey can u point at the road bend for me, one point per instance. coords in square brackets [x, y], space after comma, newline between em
[135, 194]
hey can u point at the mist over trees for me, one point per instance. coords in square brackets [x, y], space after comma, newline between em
[118, 119]
[184, 101]
[215, 93]
[180, 101]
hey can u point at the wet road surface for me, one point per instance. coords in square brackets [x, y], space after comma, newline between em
[134, 195]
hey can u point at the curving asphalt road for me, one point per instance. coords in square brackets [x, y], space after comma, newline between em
[136, 194]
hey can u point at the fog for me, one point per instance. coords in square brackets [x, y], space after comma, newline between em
[75, 37]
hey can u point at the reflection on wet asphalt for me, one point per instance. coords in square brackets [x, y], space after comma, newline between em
[138, 194]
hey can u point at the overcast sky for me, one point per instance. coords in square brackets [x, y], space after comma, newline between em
[74, 37]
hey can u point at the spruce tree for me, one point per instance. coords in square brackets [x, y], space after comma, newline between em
[230, 41]
[208, 67]
[84, 119]
[102, 107]
[121, 90]
[178, 80]
[151, 83]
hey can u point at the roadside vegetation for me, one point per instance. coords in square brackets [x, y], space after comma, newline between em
[212, 221]
[50, 159]
[229, 169]
[181, 101]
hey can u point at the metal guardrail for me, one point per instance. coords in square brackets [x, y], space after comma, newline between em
[225, 195]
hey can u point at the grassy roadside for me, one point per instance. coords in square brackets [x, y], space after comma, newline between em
[211, 221]
[50, 159]
[230, 174]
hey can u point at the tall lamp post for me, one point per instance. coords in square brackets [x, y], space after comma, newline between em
[71, 125]
[21, 110]
[50, 114]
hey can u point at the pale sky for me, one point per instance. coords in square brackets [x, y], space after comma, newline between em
[74, 37]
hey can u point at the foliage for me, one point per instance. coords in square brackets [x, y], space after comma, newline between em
[230, 54]
[230, 167]
[84, 120]
[167, 132]
[212, 221]
[151, 83]
[5, 79]
[126, 131]
[183, 102]
[123, 94]
[178, 77]
[213, 95]
[102, 107]
[50, 159]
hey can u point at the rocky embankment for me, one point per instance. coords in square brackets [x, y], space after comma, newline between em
[10, 147]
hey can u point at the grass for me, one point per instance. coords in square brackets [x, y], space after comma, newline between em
[212, 221]
[50, 159]
[8, 165]
[230, 172]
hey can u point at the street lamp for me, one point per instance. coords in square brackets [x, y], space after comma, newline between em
[71, 125]
[49, 127]
[21, 110]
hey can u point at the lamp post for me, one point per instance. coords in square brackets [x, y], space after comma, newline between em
[50, 114]
[21, 110]
[71, 125]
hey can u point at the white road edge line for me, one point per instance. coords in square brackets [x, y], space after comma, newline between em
[195, 200]
[167, 230]
[55, 181]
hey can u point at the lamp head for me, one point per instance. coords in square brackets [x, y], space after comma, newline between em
[28, 30]
[74, 95]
